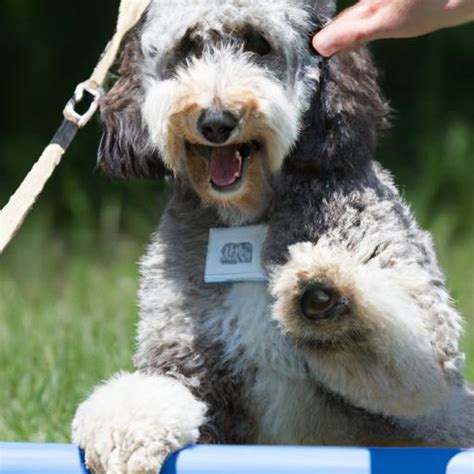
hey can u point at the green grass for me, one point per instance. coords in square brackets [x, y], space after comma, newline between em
[67, 317]
[66, 322]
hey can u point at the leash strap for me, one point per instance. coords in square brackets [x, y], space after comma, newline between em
[14, 213]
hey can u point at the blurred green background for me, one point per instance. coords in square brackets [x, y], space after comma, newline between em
[68, 282]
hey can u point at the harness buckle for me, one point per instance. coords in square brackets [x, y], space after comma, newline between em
[70, 112]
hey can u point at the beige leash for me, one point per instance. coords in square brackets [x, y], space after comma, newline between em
[15, 212]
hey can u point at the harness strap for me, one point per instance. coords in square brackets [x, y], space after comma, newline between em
[14, 213]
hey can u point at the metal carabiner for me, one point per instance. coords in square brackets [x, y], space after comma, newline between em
[70, 110]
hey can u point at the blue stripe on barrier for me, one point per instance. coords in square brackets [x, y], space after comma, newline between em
[17, 458]
[411, 461]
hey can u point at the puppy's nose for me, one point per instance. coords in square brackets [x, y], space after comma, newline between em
[216, 125]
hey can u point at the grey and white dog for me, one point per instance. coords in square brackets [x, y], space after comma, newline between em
[353, 339]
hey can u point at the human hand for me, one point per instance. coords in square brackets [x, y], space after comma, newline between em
[369, 20]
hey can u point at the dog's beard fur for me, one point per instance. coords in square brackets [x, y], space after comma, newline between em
[223, 77]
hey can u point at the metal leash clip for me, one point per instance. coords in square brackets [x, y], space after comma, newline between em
[70, 110]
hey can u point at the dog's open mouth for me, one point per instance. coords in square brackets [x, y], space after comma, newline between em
[227, 164]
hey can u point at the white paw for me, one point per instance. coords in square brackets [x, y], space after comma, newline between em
[130, 424]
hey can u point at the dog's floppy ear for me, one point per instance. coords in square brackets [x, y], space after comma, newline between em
[346, 111]
[125, 150]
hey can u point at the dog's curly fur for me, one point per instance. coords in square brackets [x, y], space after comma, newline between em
[238, 362]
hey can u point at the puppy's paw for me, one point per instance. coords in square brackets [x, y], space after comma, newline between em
[130, 424]
[360, 329]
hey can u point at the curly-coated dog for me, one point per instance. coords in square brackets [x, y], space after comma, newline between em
[350, 336]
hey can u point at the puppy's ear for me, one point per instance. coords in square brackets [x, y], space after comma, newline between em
[125, 150]
[346, 112]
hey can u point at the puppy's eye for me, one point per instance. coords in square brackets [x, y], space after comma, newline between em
[190, 45]
[255, 42]
[318, 302]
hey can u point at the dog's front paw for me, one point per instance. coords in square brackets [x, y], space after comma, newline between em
[133, 422]
[360, 330]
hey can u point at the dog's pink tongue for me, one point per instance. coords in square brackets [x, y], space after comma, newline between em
[225, 165]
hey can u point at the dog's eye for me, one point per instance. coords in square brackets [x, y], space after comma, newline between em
[255, 42]
[190, 45]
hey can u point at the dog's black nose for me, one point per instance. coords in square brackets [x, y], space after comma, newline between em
[216, 125]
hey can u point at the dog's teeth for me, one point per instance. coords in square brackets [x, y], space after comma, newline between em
[239, 157]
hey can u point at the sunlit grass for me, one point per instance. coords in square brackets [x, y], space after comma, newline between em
[66, 322]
